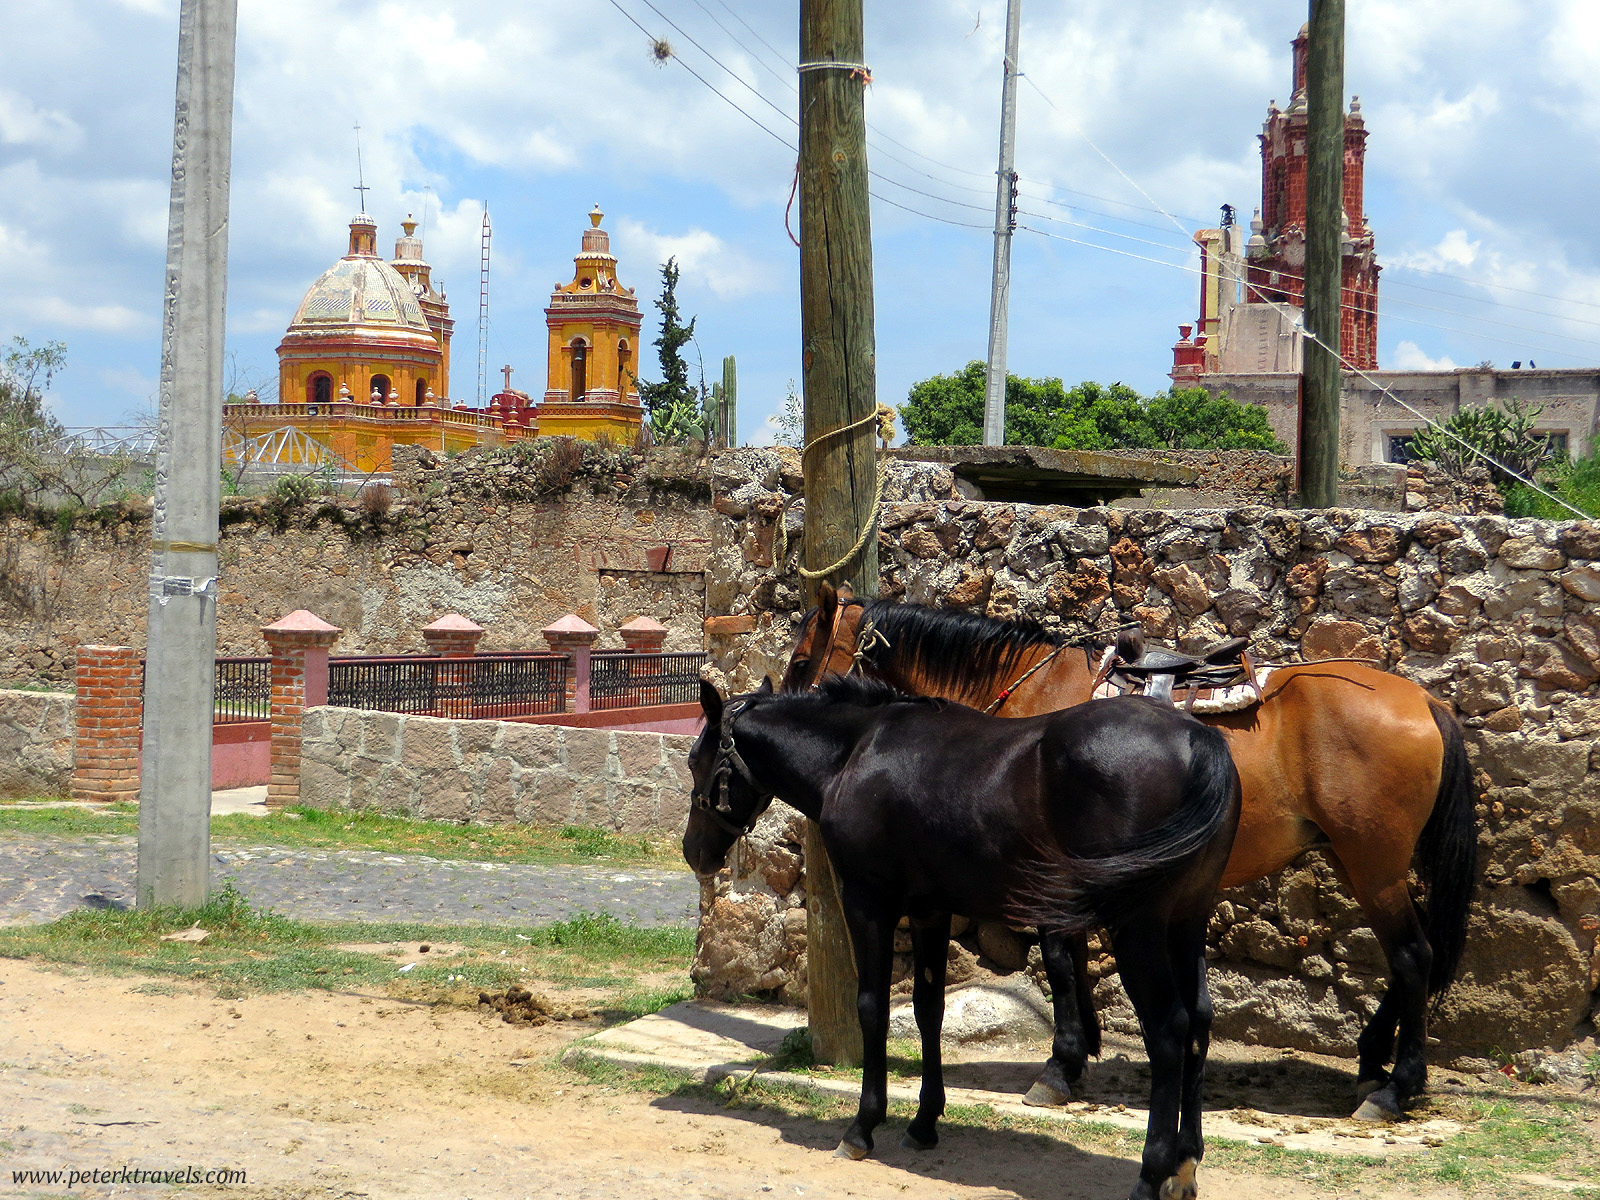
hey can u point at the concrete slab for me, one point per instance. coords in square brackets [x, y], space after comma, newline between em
[251, 800]
[710, 1042]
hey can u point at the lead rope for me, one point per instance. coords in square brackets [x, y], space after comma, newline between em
[1023, 678]
[884, 416]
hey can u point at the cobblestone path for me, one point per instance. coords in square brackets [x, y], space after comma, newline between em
[44, 878]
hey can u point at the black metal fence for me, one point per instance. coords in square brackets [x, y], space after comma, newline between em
[484, 686]
[243, 692]
[641, 680]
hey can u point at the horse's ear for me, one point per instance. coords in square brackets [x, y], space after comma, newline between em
[1130, 645]
[711, 703]
[846, 593]
[766, 686]
[827, 605]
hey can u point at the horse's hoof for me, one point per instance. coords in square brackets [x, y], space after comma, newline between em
[848, 1149]
[1042, 1095]
[912, 1142]
[1380, 1107]
[1182, 1186]
[1366, 1087]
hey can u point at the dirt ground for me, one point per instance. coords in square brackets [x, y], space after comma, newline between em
[336, 1094]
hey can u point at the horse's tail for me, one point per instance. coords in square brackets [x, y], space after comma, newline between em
[1058, 890]
[1447, 855]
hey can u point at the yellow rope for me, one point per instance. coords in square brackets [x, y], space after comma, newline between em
[884, 416]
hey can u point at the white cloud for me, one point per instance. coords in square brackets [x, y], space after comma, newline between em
[23, 123]
[704, 259]
[96, 318]
[1408, 356]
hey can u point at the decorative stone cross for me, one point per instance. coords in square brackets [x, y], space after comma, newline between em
[506, 371]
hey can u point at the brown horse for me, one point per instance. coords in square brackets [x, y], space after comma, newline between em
[1340, 757]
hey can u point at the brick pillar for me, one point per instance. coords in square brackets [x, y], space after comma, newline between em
[453, 636]
[299, 645]
[110, 703]
[642, 635]
[574, 637]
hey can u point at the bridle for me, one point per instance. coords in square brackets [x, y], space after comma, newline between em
[714, 801]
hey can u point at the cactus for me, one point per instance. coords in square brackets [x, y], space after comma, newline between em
[728, 406]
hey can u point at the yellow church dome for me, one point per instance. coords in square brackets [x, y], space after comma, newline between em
[361, 289]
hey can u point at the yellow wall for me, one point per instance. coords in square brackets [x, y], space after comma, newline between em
[355, 373]
[603, 338]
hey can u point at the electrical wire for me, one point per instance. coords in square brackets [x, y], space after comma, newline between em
[1283, 310]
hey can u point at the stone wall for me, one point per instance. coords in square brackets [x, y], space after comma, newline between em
[36, 743]
[494, 771]
[474, 534]
[1500, 618]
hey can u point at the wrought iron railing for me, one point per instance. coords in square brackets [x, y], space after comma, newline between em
[243, 692]
[485, 686]
[641, 680]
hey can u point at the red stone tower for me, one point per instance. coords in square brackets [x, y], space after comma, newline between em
[1275, 255]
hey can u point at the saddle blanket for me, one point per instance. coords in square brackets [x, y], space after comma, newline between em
[1208, 700]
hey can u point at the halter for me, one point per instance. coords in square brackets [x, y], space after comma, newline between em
[727, 761]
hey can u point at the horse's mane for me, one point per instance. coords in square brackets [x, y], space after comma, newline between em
[864, 691]
[955, 650]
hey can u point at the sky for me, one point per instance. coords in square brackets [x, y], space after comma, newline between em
[1136, 120]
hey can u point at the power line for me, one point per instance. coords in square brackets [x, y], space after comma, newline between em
[1386, 314]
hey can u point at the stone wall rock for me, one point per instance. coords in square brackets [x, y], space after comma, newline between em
[36, 743]
[1495, 617]
[494, 771]
[470, 534]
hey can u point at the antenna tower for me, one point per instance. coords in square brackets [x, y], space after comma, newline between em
[483, 317]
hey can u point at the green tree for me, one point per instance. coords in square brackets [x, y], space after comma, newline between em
[674, 404]
[25, 375]
[947, 410]
[789, 423]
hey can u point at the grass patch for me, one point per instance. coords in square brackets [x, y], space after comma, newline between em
[635, 970]
[325, 829]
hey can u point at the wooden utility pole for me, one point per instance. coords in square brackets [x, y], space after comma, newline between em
[180, 668]
[1320, 379]
[839, 374]
[1005, 222]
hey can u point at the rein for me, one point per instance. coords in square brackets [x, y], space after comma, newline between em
[727, 761]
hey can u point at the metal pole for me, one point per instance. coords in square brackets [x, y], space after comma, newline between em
[180, 658]
[1319, 421]
[1005, 222]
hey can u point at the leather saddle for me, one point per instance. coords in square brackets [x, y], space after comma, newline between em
[1158, 673]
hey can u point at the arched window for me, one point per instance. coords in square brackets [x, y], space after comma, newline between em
[319, 388]
[624, 366]
[380, 384]
[580, 370]
[422, 391]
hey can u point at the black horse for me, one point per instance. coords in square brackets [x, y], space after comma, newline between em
[1117, 814]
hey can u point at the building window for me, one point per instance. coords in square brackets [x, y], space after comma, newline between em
[624, 365]
[422, 391]
[1400, 449]
[579, 386]
[1559, 446]
[319, 388]
[380, 384]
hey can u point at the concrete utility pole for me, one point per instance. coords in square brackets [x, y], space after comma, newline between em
[180, 658]
[839, 374]
[1005, 223]
[1320, 379]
